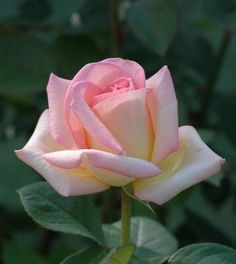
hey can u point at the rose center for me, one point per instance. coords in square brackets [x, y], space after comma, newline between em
[118, 86]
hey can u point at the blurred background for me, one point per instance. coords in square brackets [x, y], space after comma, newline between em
[196, 39]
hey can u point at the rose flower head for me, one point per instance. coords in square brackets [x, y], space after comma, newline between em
[109, 126]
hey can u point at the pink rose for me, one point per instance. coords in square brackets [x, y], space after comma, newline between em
[109, 126]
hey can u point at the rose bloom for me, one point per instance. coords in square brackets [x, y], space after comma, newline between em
[109, 126]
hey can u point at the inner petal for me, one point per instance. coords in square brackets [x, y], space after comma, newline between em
[122, 82]
[105, 96]
[88, 120]
[126, 116]
[100, 73]
[132, 69]
[117, 87]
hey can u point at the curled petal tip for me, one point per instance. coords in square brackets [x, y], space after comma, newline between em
[222, 161]
[19, 153]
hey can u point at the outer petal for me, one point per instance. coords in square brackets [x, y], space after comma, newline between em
[125, 165]
[164, 114]
[132, 69]
[66, 182]
[89, 120]
[194, 162]
[56, 90]
[126, 116]
[99, 73]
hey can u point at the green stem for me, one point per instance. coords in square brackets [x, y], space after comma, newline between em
[125, 218]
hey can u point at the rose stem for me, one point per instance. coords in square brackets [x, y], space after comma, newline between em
[125, 218]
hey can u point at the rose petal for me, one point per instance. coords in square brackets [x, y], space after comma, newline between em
[99, 73]
[132, 69]
[105, 96]
[112, 169]
[164, 114]
[73, 122]
[89, 120]
[56, 91]
[66, 182]
[126, 116]
[128, 166]
[106, 176]
[194, 162]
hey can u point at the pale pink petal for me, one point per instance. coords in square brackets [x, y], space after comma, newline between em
[77, 131]
[73, 122]
[67, 182]
[126, 116]
[191, 164]
[89, 120]
[105, 96]
[132, 69]
[124, 165]
[56, 91]
[107, 177]
[164, 114]
[123, 82]
[99, 73]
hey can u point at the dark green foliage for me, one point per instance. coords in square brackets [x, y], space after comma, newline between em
[205, 253]
[196, 39]
[74, 215]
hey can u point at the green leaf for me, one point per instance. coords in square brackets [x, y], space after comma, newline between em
[204, 253]
[95, 255]
[152, 240]
[112, 235]
[224, 214]
[27, 65]
[121, 255]
[15, 253]
[154, 23]
[74, 215]
[66, 245]
[14, 175]
[91, 255]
